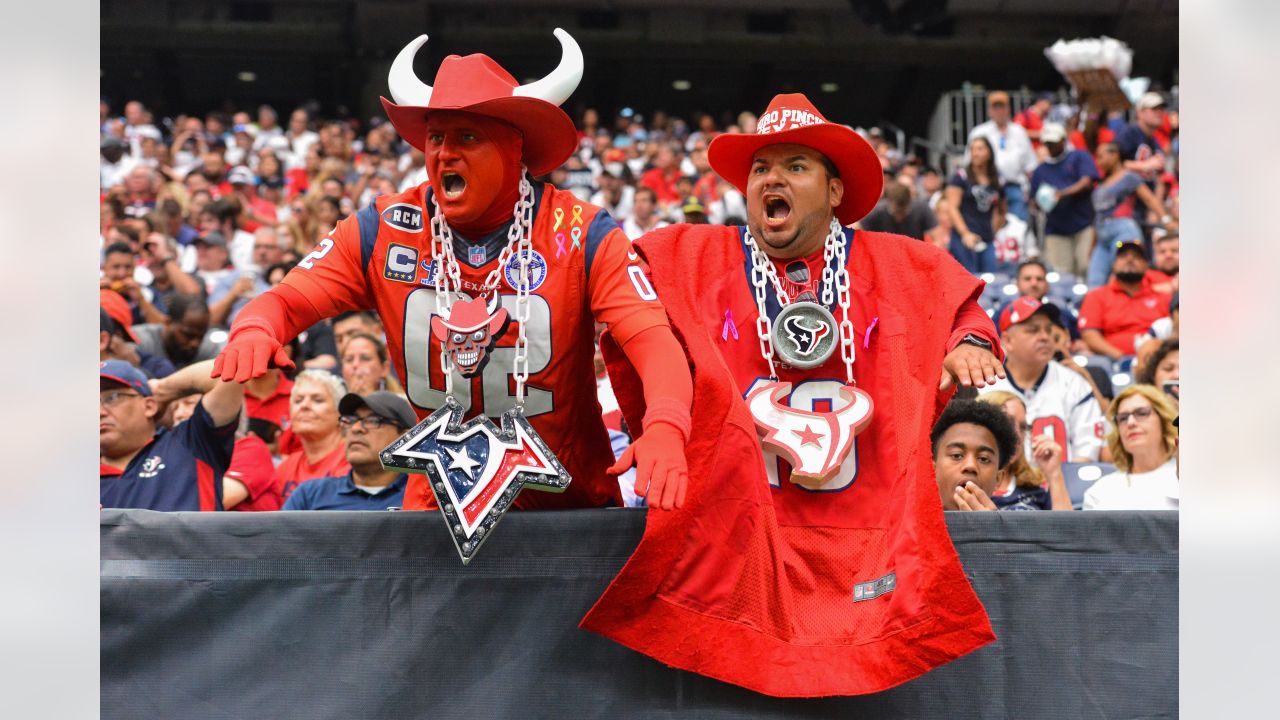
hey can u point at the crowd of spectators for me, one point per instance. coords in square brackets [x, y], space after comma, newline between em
[1072, 219]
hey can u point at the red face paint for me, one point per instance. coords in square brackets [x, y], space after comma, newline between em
[474, 165]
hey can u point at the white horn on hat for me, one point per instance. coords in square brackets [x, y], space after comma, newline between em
[406, 88]
[560, 84]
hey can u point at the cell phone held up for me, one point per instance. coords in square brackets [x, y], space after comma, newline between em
[1171, 389]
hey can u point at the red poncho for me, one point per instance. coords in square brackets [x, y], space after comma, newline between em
[754, 585]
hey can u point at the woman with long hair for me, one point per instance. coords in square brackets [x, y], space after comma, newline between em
[1144, 447]
[302, 225]
[366, 366]
[1113, 211]
[975, 199]
[1021, 485]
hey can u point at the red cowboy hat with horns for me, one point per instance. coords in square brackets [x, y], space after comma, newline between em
[792, 119]
[477, 84]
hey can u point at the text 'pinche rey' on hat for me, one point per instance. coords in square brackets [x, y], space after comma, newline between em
[792, 119]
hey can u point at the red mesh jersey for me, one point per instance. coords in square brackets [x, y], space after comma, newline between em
[584, 270]
[754, 580]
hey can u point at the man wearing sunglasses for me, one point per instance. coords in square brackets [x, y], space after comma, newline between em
[369, 423]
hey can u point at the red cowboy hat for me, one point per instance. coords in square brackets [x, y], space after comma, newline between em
[477, 84]
[791, 118]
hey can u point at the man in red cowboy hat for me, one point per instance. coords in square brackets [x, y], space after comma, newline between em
[813, 541]
[480, 228]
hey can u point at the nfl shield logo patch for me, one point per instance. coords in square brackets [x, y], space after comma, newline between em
[476, 255]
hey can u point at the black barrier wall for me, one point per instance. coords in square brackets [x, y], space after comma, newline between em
[372, 615]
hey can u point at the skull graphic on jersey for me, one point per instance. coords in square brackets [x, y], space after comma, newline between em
[469, 333]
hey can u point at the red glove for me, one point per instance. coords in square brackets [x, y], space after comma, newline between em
[658, 454]
[247, 354]
[661, 471]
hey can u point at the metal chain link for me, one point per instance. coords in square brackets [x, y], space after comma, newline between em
[449, 277]
[835, 286]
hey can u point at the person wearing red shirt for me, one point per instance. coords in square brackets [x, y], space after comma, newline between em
[662, 177]
[313, 417]
[813, 542]
[555, 267]
[1113, 315]
[1032, 118]
[267, 398]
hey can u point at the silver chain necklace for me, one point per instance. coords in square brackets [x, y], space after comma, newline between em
[805, 341]
[448, 278]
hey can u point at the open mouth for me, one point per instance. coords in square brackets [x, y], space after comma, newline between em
[776, 210]
[466, 359]
[454, 184]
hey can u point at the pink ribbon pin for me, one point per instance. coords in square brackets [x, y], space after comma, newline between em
[866, 337]
[730, 328]
[560, 244]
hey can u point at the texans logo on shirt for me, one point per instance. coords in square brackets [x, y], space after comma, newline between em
[151, 467]
[805, 336]
[984, 196]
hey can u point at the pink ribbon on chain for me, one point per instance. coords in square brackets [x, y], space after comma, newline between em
[866, 337]
[730, 328]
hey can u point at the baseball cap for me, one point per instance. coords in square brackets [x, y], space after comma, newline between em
[240, 175]
[997, 96]
[117, 308]
[244, 128]
[1150, 100]
[1023, 308]
[213, 238]
[1053, 132]
[125, 374]
[383, 404]
[693, 205]
[1122, 245]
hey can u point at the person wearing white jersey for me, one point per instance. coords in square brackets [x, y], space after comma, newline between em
[1059, 402]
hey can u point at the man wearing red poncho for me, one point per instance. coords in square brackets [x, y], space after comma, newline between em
[811, 557]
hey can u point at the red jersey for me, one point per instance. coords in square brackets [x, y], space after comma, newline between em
[296, 469]
[850, 588]
[1122, 317]
[583, 270]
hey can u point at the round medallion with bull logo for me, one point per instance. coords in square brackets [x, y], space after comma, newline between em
[805, 334]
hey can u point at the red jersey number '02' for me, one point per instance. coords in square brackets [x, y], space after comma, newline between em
[425, 380]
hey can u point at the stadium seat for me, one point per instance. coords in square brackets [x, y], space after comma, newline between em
[1098, 361]
[1081, 476]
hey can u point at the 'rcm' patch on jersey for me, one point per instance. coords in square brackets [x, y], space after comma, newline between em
[402, 263]
[403, 216]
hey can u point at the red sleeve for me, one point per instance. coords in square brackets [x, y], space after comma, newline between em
[328, 281]
[971, 319]
[1091, 312]
[251, 465]
[621, 295]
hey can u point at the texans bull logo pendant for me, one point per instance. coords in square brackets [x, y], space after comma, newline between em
[476, 469]
[805, 334]
[814, 443]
